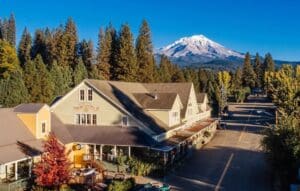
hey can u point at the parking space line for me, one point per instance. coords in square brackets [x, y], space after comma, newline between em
[224, 172]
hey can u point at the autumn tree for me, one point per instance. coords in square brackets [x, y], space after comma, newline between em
[144, 54]
[126, 67]
[54, 168]
[8, 59]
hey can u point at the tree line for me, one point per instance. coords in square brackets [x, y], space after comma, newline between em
[53, 61]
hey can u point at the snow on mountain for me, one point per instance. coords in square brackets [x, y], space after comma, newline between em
[198, 49]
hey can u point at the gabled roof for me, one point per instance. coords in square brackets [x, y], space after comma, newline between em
[200, 97]
[29, 107]
[16, 141]
[182, 89]
[156, 100]
[123, 94]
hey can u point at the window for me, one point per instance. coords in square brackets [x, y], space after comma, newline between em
[88, 119]
[124, 121]
[77, 119]
[43, 127]
[174, 117]
[90, 94]
[83, 119]
[81, 96]
[94, 119]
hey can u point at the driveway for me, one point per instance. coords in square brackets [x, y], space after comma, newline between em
[234, 159]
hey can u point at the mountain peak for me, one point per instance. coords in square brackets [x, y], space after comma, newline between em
[197, 48]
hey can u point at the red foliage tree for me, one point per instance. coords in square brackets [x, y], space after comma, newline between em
[54, 168]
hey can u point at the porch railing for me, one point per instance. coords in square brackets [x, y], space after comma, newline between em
[18, 185]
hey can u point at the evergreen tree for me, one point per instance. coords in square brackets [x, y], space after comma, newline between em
[203, 80]
[178, 75]
[3, 29]
[104, 54]
[57, 78]
[39, 45]
[8, 59]
[70, 39]
[54, 168]
[238, 79]
[24, 48]
[258, 69]
[11, 30]
[13, 90]
[49, 54]
[43, 82]
[165, 69]
[144, 54]
[60, 47]
[31, 80]
[80, 72]
[86, 52]
[126, 68]
[249, 77]
[114, 51]
[269, 65]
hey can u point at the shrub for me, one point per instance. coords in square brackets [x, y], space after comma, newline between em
[117, 185]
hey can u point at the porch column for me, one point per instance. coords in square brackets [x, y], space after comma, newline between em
[129, 151]
[115, 150]
[101, 152]
[16, 170]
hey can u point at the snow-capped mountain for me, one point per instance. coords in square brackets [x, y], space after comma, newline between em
[198, 49]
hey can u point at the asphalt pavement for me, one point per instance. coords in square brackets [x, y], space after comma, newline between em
[234, 159]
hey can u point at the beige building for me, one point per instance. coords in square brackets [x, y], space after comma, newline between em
[99, 120]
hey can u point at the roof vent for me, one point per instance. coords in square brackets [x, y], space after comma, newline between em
[153, 95]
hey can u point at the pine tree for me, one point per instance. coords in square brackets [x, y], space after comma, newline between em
[104, 54]
[11, 31]
[165, 69]
[86, 52]
[258, 69]
[178, 75]
[60, 47]
[31, 80]
[24, 48]
[49, 55]
[203, 80]
[269, 65]
[144, 54]
[43, 82]
[39, 45]
[3, 29]
[80, 72]
[54, 168]
[248, 74]
[126, 67]
[238, 79]
[114, 51]
[8, 59]
[70, 39]
[57, 78]
[13, 90]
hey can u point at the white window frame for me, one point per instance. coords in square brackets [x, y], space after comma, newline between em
[92, 119]
[87, 94]
[83, 90]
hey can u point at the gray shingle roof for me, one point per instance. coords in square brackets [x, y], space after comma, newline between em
[123, 94]
[110, 135]
[14, 136]
[156, 100]
[29, 107]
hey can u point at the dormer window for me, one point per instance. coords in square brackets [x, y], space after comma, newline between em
[90, 94]
[81, 95]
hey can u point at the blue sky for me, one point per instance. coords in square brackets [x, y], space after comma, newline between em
[243, 25]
